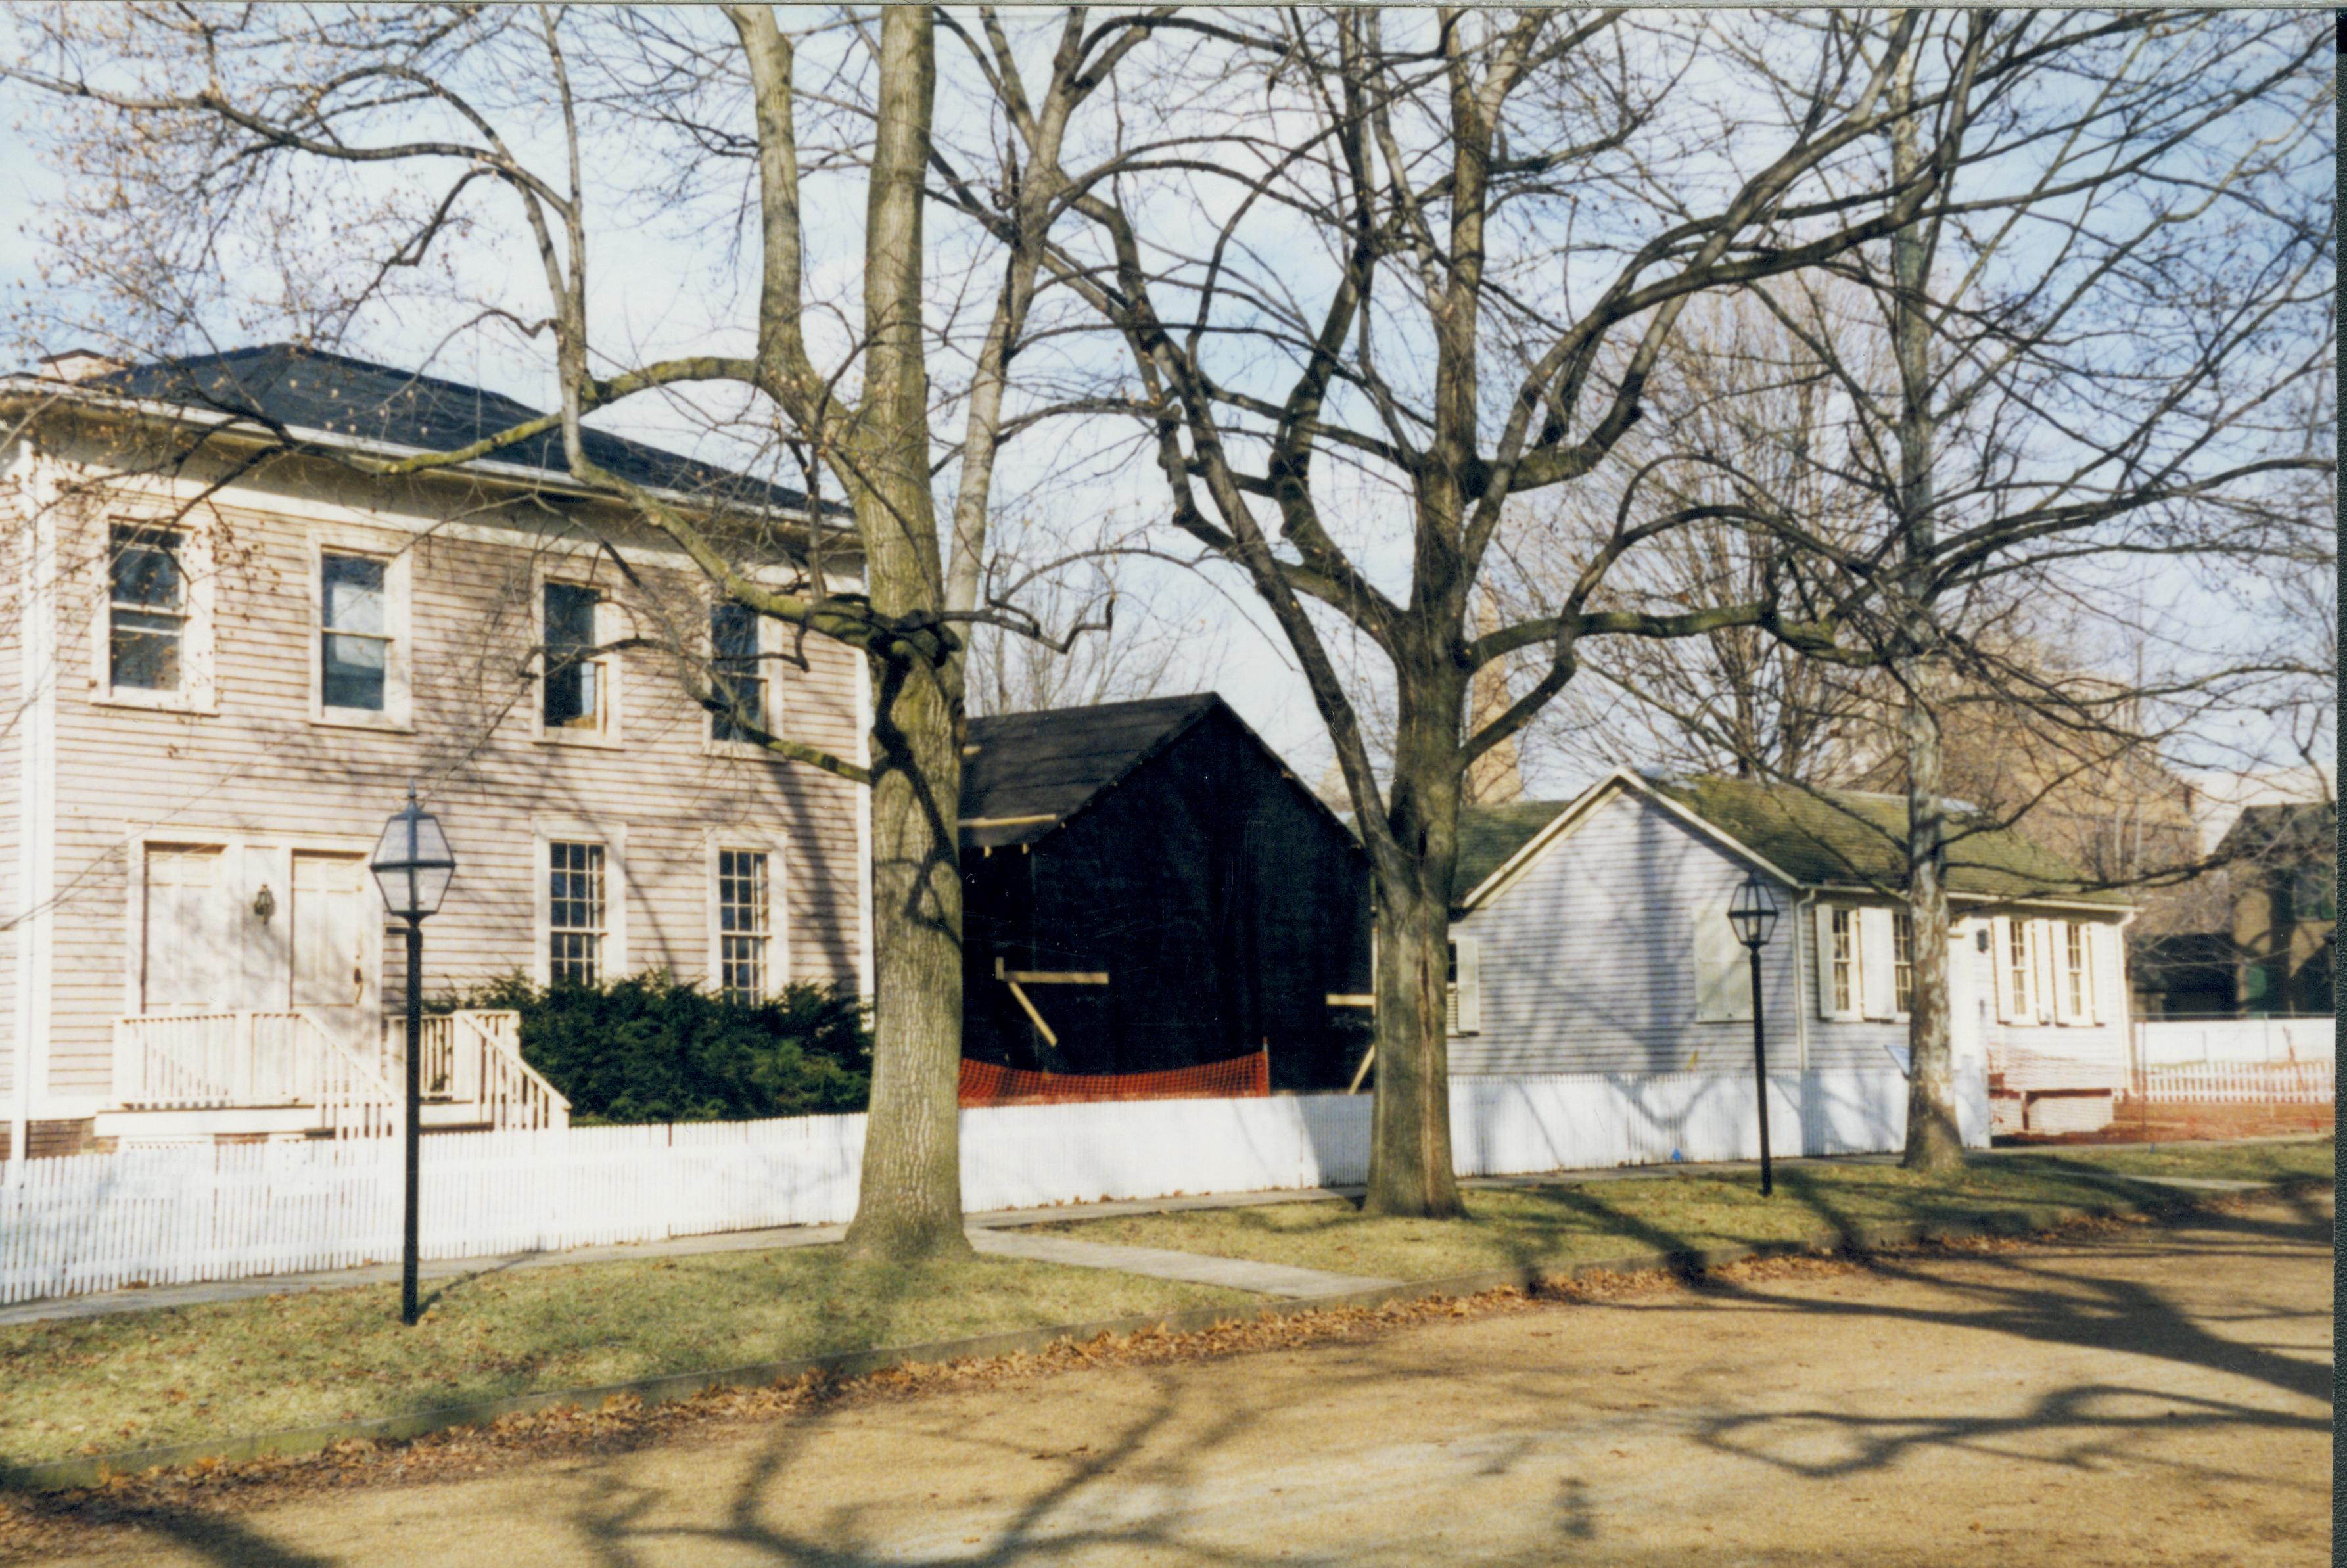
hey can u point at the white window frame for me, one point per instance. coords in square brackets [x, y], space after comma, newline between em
[1902, 933]
[1462, 989]
[613, 959]
[1830, 1003]
[611, 681]
[769, 715]
[198, 691]
[2074, 974]
[2016, 971]
[778, 946]
[398, 704]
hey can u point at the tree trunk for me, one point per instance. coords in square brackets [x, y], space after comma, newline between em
[1410, 1170]
[909, 1204]
[1932, 1141]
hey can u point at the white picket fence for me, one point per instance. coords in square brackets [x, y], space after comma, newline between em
[2244, 1083]
[2174, 1041]
[172, 1215]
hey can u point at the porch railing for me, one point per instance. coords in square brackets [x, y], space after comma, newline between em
[214, 1060]
[474, 1058]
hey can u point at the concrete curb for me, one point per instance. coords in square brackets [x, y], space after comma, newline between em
[66, 1474]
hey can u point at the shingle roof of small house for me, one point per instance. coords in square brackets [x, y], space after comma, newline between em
[1845, 837]
[1817, 837]
[307, 389]
[1025, 773]
[1489, 834]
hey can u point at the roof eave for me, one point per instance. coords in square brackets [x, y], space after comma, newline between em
[241, 428]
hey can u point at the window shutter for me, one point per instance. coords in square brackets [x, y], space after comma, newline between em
[1722, 975]
[2100, 971]
[2000, 951]
[1467, 996]
[1875, 988]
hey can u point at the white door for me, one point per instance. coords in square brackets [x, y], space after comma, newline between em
[332, 980]
[189, 965]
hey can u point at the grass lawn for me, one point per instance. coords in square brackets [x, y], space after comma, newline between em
[1594, 1220]
[179, 1374]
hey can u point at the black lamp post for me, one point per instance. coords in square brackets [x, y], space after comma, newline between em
[413, 866]
[1752, 912]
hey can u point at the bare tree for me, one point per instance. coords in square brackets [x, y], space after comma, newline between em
[1430, 265]
[364, 159]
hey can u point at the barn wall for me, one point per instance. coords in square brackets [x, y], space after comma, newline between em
[1224, 903]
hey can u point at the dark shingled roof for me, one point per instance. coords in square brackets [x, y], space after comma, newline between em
[2288, 833]
[1488, 835]
[1844, 837]
[306, 388]
[1025, 773]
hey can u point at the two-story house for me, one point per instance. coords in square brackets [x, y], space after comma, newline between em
[228, 640]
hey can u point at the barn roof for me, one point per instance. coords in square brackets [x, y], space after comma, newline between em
[310, 392]
[1815, 837]
[1024, 774]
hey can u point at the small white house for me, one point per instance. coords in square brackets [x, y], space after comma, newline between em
[1592, 936]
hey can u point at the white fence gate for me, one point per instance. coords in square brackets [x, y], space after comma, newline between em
[172, 1215]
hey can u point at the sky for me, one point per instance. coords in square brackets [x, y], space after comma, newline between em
[655, 291]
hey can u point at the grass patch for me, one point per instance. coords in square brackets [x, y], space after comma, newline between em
[182, 1374]
[1584, 1221]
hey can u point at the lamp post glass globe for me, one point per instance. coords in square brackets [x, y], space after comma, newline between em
[1753, 912]
[413, 863]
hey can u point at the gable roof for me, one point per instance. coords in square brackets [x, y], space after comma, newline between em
[1808, 838]
[313, 393]
[1490, 834]
[1024, 775]
[2289, 833]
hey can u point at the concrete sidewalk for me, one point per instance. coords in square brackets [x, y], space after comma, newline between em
[102, 1303]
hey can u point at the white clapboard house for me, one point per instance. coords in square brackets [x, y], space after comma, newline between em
[228, 640]
[1592, 936]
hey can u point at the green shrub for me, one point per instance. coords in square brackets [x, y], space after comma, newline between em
[651, 1047]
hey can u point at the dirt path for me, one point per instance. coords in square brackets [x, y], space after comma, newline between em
[2155, 1396]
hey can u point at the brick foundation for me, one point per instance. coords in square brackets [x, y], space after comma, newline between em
[2138, 1121]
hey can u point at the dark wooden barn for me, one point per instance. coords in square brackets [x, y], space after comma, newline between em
[1145, 888]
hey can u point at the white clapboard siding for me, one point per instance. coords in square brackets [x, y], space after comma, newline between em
[1588, 963]
[260, 767]
[173, 1216]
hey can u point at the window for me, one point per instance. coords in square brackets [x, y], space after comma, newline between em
[1845, 961]
[2075, 975]
[147, 621]
[1902, 962]
[744, 929]
[355, 633]
[2019, 968]
[1462, 985]
[574, 697]
[734, 681]
[574, 912]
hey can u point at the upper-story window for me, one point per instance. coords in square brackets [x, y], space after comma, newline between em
[354, 638]
[148, 610]
[576, 688]
[735, 681]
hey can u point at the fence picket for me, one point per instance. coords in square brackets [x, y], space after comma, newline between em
[174, 1215]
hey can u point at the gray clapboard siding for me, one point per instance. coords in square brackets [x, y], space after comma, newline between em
[13, 716]
[260, 765]
[1588, 959]
[1587, 963]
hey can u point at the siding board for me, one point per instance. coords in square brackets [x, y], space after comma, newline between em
[261, 767]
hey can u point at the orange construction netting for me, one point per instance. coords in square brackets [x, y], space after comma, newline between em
[1242, 1076]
